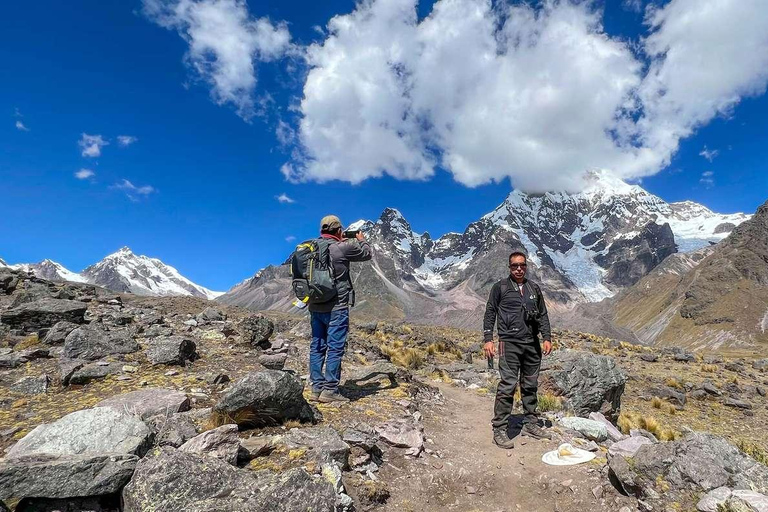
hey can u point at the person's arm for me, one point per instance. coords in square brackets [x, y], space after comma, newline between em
[356, 252]
[489, 319]
[544, 327]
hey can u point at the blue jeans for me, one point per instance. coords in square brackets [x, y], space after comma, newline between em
[329, 341]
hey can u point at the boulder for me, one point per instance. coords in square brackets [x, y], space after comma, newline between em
[157, 330]
[93, 371]
[168, 479]
[614, 434]
[256, 329]
[628, 447]
[710, 388]
[148, 402]
[323, 444]
[42, 313]
[88, 432]
[64, 476]
[403, 434]
[173, 430]
[211, 314]
[671, 395]
[265, 397]
[91, 342]
[684, 356]
[590, 429]
[676, 470]
[31, 385]
[273, 361]
[12, 360]
[760, 364]
[742, 500]
[649, 357]
[712, 501]
[738, 404]
[58, 333]
[105, 503]
[171, 350]
[68, 367]
[587, 382]
[222, 442]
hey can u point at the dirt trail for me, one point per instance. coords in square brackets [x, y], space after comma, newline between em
[470, 473]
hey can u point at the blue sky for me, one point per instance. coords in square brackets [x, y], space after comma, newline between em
[203, 177]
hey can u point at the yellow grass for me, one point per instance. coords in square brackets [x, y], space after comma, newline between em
[656, 402]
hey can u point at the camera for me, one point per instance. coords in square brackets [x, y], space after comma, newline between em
[350, 234]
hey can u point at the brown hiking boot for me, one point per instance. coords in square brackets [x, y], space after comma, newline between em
[501, 439]
[535, 431]
[327, 397]
[314, 396]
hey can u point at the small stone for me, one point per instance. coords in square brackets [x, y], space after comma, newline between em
[567, 483]
[129, 369]
[171, 373]
[471, 490]
[598, 492]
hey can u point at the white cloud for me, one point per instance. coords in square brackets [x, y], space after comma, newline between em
[132, 191]
[290, 238]
[91, 144]
[225, 43]
[84, 174]
[20, 126]
[633, 5]
[539, 96]
[126, 140]
[709, 154]
[283, 198]
[707, 179]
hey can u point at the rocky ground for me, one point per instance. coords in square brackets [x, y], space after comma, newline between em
[116, 402]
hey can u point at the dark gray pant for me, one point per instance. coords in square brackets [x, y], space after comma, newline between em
[523, 358]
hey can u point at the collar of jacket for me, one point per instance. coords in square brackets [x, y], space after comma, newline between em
[332, 237]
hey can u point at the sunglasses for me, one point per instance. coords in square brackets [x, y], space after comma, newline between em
[517, 265]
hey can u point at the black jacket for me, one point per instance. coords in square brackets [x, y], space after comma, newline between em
[514, 324]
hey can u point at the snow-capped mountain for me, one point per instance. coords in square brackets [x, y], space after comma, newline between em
[582, 247]
[123, 271]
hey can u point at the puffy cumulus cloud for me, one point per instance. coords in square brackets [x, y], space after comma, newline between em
[538, 95]
[225, 43]
[90, 145]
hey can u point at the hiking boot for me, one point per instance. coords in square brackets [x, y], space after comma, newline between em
[501, 439]
[327, 397]
[314, 396]
[535, 431]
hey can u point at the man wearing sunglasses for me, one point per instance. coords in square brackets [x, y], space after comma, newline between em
[518, 305]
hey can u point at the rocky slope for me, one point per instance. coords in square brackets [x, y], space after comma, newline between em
[122, 271]
[121, 403]
[712, 299]
[582, 248]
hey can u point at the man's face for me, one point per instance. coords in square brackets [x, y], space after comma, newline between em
[517, 267]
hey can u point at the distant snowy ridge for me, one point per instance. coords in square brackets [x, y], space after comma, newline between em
[123, 271]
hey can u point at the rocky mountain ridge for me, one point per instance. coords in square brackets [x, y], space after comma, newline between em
[122, 271]
[582, 247]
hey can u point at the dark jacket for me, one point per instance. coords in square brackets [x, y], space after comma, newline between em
[513, 322]
[342, 253]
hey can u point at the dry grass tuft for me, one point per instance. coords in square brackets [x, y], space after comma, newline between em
[28, 342]
[753, 450]
[243, 417]
[549, 402]
[673, 383]
[657, 402]
[628, 421]
[709, 368]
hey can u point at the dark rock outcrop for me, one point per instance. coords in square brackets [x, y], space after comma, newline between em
[256, 329]
[43, 313]
[91, 342]
[173, 350]
[629, 259]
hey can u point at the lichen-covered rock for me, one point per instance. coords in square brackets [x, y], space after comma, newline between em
[171, 350]
[94, 371]
[91, 342]
[173, 430]
[90, 431]
[211, 314]
[676, 470]
[103, 503]
[58, 333]
[256, 329]
[169, 480]
[31, 385]
[273, 361]
[64, 476]
[590, 429]
[587, 382]
[265, 397]
[222, 442]
[42, 313]
[148, 402]
[323, 444]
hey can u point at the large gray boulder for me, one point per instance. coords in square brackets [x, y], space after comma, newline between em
[676, 470]
[31, 385]
[264, 398]
[211, 314]
[94, 371]
[104, 503]
[173, 430]
[222, 442]
[256, 329]
[588, 382]
[89, 432]
[170, 480]
[58, 333]
[148, 402]
[171, 350]
[64, 476]
[43, 313]
[91, 342]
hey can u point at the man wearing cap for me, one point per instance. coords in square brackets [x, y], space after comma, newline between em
[518, 304]
[330, 320]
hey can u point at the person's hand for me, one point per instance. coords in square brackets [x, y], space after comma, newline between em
[547, 347]
[489, 349]
[360, 237]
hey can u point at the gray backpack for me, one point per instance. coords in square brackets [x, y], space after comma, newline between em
[312, 271]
